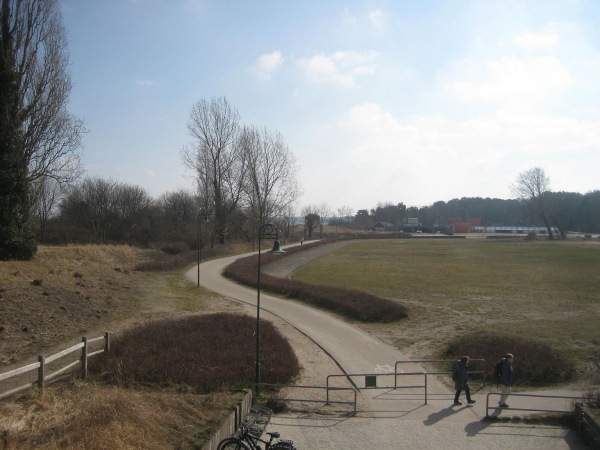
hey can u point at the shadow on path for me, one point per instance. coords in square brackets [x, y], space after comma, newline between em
[435, 417]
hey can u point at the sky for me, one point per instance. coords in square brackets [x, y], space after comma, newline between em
[379, 101]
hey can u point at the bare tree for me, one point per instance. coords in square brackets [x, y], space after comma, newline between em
[271, 167]
[531, 187]
[345, 214]
[179, 208]
[131, 204]
[46, 193]
[51, 136]
[324, 211]
[217, 159]
[92, 203]
[286, 222]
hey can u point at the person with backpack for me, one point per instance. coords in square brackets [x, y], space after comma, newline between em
[504, 372]
[459, 376]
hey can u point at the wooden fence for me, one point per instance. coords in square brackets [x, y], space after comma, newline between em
[44, 373]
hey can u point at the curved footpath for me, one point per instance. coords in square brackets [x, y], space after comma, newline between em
[385, 417]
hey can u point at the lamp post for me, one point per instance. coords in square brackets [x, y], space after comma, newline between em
[266, 231]
[200, 219]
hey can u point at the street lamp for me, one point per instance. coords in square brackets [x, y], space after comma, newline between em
[200, 219]
[266, 231]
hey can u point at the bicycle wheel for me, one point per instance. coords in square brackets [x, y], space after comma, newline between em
[232, 443]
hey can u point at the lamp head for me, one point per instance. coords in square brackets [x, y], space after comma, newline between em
[277, 248]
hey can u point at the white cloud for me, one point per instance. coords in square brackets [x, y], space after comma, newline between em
[151, 173]
[144, 83]
[432, 157]
[537, 41]
[377, 19]
[513, 82]
[266, 64]
[339, 68]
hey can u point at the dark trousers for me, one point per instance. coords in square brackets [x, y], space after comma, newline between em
[467, 390]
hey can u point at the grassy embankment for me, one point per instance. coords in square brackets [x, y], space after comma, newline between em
[81, 290]
[538, 299]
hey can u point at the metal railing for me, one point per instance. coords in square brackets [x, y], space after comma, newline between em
[327, 388]
[566, 397]
[417, 361]
[379, 375]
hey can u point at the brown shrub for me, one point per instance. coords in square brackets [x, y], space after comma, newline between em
[347, 302]
[207, 353]
[535, 363]
[174, 248]
[167, 262]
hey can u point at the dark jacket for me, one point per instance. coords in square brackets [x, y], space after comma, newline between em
[461, 376]
[506, 373]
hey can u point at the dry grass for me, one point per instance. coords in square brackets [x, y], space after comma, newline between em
[63, 294]
[75, 416]
[547, 291]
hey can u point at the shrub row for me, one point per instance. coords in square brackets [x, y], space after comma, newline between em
[207, 353]
[350, 303]
[535, 363]
[170, 261]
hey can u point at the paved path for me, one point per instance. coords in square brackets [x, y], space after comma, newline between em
[385, 417]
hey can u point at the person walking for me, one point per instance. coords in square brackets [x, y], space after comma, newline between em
[506, 372]
[460, 380]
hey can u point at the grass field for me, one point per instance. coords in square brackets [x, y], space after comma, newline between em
[534, 289]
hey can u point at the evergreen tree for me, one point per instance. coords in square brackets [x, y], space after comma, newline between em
[17, 241]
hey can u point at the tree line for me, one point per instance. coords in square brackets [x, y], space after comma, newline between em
[572, 210]
[100, 210]
[534, 204]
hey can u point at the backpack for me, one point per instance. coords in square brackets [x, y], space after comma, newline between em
[498, 371]
[455, 372]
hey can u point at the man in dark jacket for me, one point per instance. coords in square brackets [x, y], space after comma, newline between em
[460, 382]
[506, 373]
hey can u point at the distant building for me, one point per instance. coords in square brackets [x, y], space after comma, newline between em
[460, 225]
[411, 224]
[515, 230]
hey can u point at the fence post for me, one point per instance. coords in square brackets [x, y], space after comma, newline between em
[84, 359]
[106, 341]
[41, 370]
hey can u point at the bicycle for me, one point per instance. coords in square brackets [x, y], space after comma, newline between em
[248, 438]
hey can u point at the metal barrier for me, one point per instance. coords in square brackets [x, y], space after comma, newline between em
[328, 388]
[376, 375]
[416, 361]
[567, 397]
[588, 426]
